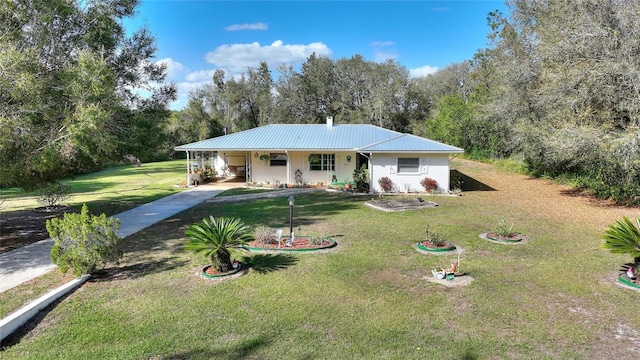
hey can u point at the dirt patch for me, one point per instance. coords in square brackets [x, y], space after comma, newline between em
[396, 203]
[24, 227]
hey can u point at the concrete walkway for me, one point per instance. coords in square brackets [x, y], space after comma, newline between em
[28, 262]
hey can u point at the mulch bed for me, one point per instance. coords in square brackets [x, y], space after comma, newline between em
[393, 203]
[24, 227]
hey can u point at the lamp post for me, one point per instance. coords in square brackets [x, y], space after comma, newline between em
[291, 199]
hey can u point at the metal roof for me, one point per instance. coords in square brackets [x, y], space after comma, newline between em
[357, 137]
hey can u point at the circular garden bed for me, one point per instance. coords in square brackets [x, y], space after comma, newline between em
[300, 244]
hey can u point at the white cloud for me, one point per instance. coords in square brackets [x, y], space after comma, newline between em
[238, 57]
[200, 75]
[423, 71]
[382, 51]
[382, 43]
[254, 26]
[174, 68]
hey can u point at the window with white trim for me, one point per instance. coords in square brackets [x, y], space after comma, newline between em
[322, 162]
[408, 165]
[277, 159]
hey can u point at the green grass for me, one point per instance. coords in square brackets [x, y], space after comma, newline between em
[368, 299]
[111, 191]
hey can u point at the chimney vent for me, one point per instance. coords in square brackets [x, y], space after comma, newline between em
[329, 121]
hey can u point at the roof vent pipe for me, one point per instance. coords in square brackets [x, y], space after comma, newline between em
[329, 121]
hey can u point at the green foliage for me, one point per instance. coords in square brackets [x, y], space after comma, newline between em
[361, 179]
[83, 242]
[58, 92]
[385, 184]
[502, 229]
[456, 180]
[623, 237]
[217, 238]
[54, 195]
[436, 239]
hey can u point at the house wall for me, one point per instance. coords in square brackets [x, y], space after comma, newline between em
[231, 163]
[435, 166]
[262, 172]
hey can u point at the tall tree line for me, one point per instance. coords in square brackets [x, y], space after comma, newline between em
[351, 90]
[559, 87]
[70, 89]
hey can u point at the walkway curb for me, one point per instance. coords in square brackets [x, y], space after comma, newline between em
[15, 320]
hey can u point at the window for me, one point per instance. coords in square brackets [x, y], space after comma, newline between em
[277, 159]
[322, 162]
[408, 165]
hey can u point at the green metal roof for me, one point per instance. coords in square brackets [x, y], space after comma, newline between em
[300, 137]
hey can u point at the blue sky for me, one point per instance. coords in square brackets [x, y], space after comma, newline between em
[196, 37]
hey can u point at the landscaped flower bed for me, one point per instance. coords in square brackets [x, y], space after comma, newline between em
[429, 246]
[300, 243]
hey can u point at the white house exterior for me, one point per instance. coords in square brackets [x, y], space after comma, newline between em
[325, 153]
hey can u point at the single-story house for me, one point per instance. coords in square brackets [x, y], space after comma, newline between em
[323, 153]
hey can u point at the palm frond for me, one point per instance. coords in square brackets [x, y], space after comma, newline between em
[623, 237]
[216, 238]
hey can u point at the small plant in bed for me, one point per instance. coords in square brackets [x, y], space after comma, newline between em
[434, 241]
[217, 239]
[504, 232]
[623, 237]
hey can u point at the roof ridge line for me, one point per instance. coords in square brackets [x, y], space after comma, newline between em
[381, 141]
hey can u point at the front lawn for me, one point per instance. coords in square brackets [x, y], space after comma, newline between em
[553, 297]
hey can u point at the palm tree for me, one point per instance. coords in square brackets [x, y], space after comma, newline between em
[217, 238]
[623, 237]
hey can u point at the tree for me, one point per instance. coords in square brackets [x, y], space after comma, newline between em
[69, 73]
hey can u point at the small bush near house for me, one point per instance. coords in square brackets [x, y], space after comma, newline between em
[53, 195]
[84, 242]
[385, 184]
[361, 179]
[429, 184]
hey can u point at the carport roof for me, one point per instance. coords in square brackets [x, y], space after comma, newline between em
[320, 137]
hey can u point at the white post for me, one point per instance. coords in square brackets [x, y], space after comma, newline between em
[188, 167]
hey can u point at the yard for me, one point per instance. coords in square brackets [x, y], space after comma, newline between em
[551, 297]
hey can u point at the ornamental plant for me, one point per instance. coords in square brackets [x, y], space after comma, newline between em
[217, 238]
[434, 238]
[502, 229]
[84, 242]
[385, 184]
[429, 184]
[623, 237]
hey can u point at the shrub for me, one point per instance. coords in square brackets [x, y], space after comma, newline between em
[265, 235]
[385, 184]
[429, 184]
[216, 238]
[53, 195]
[84, 242]
[361, 179]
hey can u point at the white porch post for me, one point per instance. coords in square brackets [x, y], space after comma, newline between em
[188, 167]
[288, 167]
